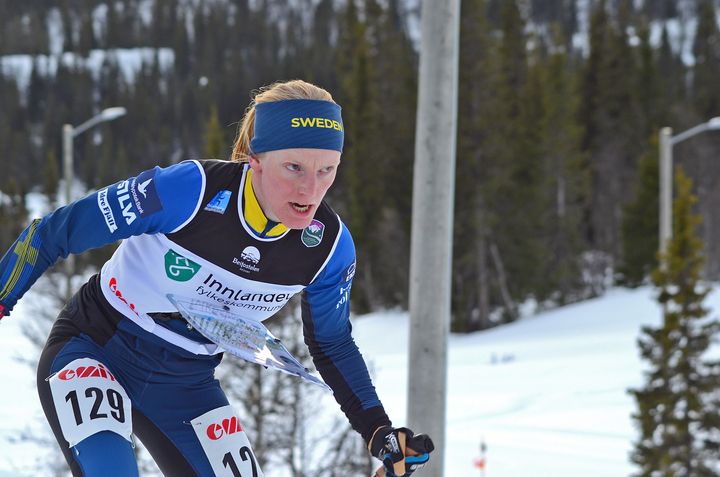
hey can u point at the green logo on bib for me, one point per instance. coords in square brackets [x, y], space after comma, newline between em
[179, 268]
[312, 234]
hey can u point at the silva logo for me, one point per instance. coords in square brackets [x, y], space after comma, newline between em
[219, 202]
[312, 234]
[216, 431]
[123, 197]
[80, 372]
[179, 268]
[249, 258]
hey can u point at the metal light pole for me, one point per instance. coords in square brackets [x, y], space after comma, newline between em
[667, 141]
[432, 219]
[68, 134]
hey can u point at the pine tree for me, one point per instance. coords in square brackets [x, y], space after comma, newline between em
[87, 40]
[671, 73]
[477, 79]
[214, 141]
[37, 93]
[651, 109]
[363, 138]
[515, 173]
[13, 213]
[38, 40]
[661, 9]
[677, 407]
[614, 136]
[320, 55]
[707, 61]
[393, 91]
[567, 176]
[640, 222]
[51, 173]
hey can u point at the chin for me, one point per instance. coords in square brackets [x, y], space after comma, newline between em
[297, 223]
[294, 220]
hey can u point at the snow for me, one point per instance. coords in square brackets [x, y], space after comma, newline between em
[547, 394]
[20, 411]
[129, 60]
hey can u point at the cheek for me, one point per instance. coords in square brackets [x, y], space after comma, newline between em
[283, 190]
[326, 183]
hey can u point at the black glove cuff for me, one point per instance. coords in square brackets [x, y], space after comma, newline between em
[369, 420]
[377, 445]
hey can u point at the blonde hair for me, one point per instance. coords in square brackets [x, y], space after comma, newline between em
[293, 89]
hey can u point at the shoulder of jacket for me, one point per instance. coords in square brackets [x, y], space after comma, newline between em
[220, 166]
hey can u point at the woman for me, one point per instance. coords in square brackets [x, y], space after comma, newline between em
[249, 234]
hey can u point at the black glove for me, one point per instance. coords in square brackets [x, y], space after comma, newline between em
[400, 451]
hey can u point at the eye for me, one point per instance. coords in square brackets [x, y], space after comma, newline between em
[291, 166]
[327, 170]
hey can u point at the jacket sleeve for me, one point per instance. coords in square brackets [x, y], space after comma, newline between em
[327, 331]
[157, 200]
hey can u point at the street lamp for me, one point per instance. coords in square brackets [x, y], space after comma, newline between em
[667, 141]
[68, 134]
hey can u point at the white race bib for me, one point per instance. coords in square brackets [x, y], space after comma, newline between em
[88, 399]
[226, 444]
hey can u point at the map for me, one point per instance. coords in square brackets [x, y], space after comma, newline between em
[245, 338]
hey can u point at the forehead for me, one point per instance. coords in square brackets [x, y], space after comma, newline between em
[305, 156]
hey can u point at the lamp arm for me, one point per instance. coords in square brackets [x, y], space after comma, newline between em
[700, 128]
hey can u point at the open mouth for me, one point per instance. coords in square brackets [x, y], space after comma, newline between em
[300, 207]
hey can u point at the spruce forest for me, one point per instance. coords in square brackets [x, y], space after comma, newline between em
[560, 104]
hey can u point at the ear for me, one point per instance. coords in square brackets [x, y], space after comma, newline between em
[255, 164]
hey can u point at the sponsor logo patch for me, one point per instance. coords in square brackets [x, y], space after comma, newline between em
[144, 193]
[226, 427]
[90, 371]
[123, 198]
[114, 288]
[312, 234]
[220, 202]
[179, 268]
[344, 296]
[249, 259]
[349, 272]
[214, 289]
[106, 210]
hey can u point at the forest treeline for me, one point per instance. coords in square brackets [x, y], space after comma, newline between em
[556, 192]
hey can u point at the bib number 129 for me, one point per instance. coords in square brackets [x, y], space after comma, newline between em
[245, 454]
[114, 400]
[88, 399]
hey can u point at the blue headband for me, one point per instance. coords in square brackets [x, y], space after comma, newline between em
[297, 123]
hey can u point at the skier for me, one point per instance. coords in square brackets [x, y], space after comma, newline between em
[247, 234]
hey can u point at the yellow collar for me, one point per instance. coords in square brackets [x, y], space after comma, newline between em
[254, 216]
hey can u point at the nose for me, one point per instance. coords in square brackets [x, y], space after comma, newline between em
[308, 185]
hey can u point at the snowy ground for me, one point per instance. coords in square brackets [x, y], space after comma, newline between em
[20, 412]
[548, 394]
